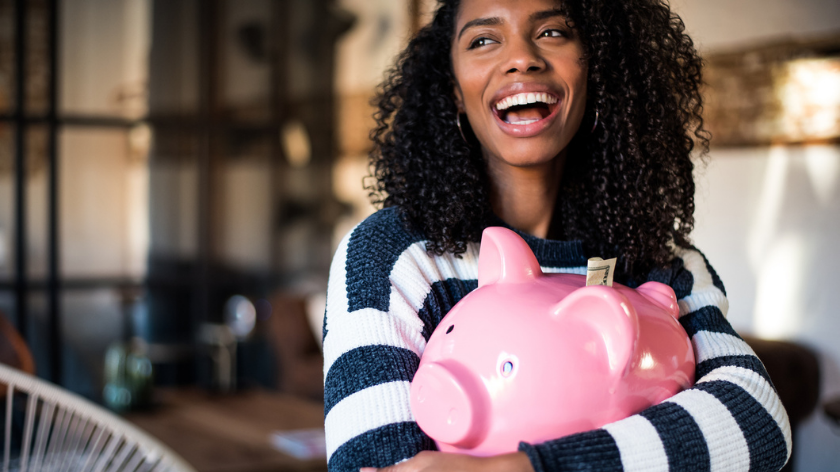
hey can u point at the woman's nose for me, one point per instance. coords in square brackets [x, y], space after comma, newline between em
[523, 57]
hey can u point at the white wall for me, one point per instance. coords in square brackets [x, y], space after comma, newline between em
[767, 218]
[727, 24]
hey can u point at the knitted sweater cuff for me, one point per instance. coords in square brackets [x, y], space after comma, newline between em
[593, 450]
[533, 456]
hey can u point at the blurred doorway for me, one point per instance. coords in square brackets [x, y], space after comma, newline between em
[156, 157]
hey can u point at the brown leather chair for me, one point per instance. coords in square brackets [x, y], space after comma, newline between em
[13, 351]
[795, 372]
[299, 358]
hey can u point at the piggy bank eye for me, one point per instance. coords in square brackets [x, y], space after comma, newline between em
[449, 330]
[507, 368]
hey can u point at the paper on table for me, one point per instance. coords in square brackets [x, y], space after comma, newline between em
[301, 443]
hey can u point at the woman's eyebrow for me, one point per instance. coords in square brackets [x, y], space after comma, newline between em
[480, 22]
[537, 16]
[545, 14]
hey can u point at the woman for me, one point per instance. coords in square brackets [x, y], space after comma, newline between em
[573, 124]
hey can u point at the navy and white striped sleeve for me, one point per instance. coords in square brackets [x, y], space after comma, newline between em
[376, 326]
[730, 420]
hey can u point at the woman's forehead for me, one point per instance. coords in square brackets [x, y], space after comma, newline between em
[499, 11]
[472, 6]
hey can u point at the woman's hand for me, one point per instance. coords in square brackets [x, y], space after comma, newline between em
[428, 461]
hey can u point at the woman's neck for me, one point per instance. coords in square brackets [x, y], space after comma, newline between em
[524, 197]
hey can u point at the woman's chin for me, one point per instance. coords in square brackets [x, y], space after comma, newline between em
[528, 156]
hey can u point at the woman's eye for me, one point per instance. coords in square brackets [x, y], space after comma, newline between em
[553, 33]
[479, 42]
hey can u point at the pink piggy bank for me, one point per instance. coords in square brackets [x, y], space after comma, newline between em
[532, 357]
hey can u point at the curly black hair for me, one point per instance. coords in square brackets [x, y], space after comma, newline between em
[627, 190]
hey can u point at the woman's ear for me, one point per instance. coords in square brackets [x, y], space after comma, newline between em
[458, 96]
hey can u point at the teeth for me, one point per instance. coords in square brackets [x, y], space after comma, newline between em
[526, 122]
[524, 99]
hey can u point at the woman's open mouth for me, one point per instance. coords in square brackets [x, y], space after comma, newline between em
[525, 108]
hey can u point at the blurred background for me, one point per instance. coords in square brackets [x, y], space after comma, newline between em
[175, 175]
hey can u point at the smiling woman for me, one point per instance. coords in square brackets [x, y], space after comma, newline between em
[571, 122]
[505, 56]
[613, 158]
[519, 73]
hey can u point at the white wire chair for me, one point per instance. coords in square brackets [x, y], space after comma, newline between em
[62, 431]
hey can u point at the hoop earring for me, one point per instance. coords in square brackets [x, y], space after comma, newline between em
[595, 124]
[460, 130]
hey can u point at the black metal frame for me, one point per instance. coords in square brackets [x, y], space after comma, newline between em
[21, 120]
[206, 124]
[20, 167]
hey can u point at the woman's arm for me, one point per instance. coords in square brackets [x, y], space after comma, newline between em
[431, 461]
[730, 420]
[385, 295]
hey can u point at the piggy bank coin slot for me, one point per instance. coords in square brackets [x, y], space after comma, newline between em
[449, 330]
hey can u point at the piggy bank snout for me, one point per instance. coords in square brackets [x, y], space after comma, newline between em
[448, 403]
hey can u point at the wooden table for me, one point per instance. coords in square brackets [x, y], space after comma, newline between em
[221, 433]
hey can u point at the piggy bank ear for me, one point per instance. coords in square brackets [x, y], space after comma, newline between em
[505, 257]
[661, 295]
[609, 314]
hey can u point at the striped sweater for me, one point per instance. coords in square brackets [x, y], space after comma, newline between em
[387, 294]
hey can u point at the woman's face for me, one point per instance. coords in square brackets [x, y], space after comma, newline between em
[520, 78]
